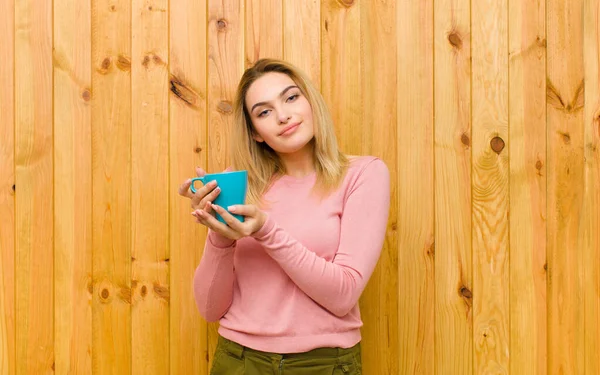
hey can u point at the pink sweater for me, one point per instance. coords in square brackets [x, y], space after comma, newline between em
[294, 285]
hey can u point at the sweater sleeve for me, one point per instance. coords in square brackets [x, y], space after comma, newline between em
[337, 285]
[213, 279]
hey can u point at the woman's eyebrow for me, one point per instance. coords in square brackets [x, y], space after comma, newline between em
[281, 94]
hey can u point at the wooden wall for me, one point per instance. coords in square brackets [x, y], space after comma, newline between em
[487, 113]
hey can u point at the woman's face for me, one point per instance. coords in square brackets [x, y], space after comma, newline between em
[281, 115]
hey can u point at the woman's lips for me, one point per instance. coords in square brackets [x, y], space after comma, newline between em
[289, 129]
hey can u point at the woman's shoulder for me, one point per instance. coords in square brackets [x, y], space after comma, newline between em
[360, 162]
[361, 165]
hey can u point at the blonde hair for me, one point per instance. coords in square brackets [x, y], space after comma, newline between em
[261, 161]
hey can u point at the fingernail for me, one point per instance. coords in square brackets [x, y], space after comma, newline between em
[217, 189]
[212, 183]
[231, 208]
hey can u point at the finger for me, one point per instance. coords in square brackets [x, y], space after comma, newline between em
[184, 189]
[243, 209]
[210, 197]
[208, 208]
[228, 169]
[200, 172]
[217, 226]
[231, 221]
[202, 192]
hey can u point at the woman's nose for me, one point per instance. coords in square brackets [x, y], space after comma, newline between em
[283, 117]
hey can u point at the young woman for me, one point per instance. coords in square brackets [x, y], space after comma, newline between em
[285, 283]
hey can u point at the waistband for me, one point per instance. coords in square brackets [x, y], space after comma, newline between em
[239, 350]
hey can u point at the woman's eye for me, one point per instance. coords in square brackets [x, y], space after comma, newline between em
[263, 113]
[292, 97]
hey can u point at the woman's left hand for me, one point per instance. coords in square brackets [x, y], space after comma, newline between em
[254, 219]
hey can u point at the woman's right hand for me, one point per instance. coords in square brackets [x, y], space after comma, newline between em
[203, 197]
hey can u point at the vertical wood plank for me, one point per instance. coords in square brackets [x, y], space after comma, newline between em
[565, 181]
[589, 231]
[416, 245]
[111, 186]
[489, 38]
[34, 188]
[149, 186]
[527, 140]
[263, 30]
[379, 303]
[453, 255]
[187, 149]
[225, 66]
[341, 68]
[302, 36]
[7, 191]
[73, 186]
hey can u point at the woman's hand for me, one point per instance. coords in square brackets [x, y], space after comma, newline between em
[254, 219]
[203, 195]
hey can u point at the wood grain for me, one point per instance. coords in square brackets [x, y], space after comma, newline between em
[379, 302]
[341, 72]
[263, 30]
[225, 66]
[490, 186]
[565, 186]
[34, 283]
[453, 146]
[589, 233]
[73, 187]
[302, 36]
[527, 140]
[7, 192]
[111, 187]
[150, 187]
[187, 148]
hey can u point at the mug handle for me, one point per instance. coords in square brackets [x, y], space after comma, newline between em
[192, 188]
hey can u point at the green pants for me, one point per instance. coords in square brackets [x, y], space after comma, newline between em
[234, 359]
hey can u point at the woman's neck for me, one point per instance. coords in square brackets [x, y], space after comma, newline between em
[299, 164]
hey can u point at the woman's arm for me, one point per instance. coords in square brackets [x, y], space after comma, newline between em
[337, 285]
[213, 279]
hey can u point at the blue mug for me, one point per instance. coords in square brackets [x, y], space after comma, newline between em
[233, 186]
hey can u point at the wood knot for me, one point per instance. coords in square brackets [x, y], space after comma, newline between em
[221, 25]
[541, 42]
[566, 138]
[123, 63]
[545, 266]
[455, 40]
[146, 61]
[539, 165]
[13, 187]
[326, 25]
[431, 250]
[394, 226]
[113, 8]
[184, 92]
[105, 66]
[465, 140]
[224, 107]
[157, 60]
[197, 150]
[125, 294]
[144, 291]
[86, 95]
[150, 8]
[346, 3]
[161, 291]
[104, 294]
[466, 293]
[497, 144]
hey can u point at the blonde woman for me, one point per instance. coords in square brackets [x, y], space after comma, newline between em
[285, 283]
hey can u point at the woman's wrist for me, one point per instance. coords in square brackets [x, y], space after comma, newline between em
[218, 240]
